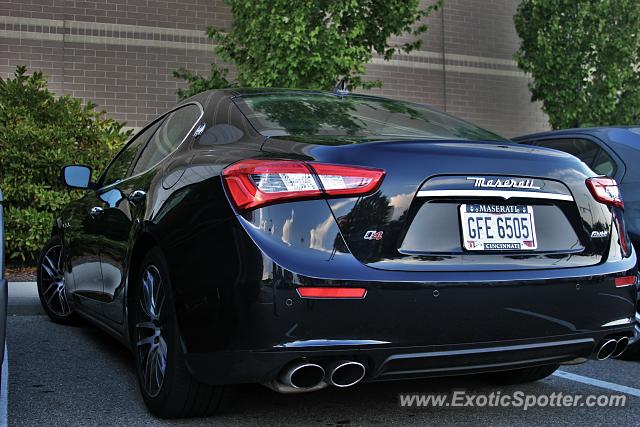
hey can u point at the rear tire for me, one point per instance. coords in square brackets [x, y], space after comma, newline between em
[522, 376]
[167, 387]
[51, 283]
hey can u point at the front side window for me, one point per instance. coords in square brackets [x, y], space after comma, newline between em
[279, 114]
[173, 131]
[119, 167]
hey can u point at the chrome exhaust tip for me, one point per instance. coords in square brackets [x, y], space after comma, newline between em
[300, 377]
[345, 373]
[303, 375]
[621, 346]
[607, 349]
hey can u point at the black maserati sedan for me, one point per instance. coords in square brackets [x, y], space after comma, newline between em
[304, 239]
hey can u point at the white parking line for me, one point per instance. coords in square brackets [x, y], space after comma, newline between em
[598, 383]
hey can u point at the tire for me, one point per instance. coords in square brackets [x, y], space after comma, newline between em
[51, 284]
[167, 387]
[522, 376]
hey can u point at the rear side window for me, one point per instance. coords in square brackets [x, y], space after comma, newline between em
[169, 136]
[586, 150]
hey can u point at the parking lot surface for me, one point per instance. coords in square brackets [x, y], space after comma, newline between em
[60, 375]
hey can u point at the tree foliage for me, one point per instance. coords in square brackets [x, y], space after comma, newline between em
[40, 133]
[216, 79]
[584, 57]
[311, 44]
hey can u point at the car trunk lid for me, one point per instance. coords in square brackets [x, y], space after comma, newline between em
[414, 221]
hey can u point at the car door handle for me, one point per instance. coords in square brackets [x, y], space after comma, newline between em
[137, 196]
[95, 211]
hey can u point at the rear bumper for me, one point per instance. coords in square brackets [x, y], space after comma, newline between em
[410, 324]
[414, 329]
[398, 363]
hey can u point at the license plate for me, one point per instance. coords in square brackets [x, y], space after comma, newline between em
[498, 228]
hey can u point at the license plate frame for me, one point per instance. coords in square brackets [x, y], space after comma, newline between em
[498, 228]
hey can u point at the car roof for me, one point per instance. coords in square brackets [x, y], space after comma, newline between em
[623, 141]
[625, 135]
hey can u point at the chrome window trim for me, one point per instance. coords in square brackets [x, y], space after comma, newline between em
[495, 193]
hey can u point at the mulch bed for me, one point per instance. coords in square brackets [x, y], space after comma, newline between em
[20, 274]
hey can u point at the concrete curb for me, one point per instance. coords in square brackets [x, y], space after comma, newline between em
[23, 299]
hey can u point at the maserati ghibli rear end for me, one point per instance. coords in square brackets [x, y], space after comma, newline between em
[305, 239]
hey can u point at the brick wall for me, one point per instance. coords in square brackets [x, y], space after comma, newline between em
[120, 55]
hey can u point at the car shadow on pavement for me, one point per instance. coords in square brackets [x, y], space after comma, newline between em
[82, 376]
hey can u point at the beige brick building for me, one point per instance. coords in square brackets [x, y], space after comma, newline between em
[120, 55]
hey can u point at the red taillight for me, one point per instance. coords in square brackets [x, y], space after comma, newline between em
[353, 293]
[338, 180]
[605, 190]
[255, 183]
[625, 281]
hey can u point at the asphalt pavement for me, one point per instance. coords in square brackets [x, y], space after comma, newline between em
[80, 376]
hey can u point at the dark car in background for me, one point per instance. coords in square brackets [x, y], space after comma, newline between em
[305, 239]
[610, 151]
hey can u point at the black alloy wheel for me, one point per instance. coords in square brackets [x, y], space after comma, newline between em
[51, 283]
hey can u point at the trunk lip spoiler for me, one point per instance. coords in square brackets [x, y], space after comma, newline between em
[505, 194]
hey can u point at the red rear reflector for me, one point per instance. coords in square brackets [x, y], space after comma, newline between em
[255, 183]
[605, 190]
[308, 292]
[625, 281]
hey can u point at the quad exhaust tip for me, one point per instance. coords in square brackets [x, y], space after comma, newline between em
[303, 376]
[621, 346]
[607, 349]
[345, 373]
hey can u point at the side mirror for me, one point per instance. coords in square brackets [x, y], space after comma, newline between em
[77, 176]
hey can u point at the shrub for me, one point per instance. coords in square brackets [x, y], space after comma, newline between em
[40, 133]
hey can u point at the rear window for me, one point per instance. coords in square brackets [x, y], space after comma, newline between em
[278, 114]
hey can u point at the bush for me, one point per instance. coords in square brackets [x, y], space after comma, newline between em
[40, 133]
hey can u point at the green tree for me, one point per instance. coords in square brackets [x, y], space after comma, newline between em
[310, 44]
[216, 79]
[40, 133]
[584, 58]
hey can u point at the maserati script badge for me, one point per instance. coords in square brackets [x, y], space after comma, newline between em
[503, 183]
